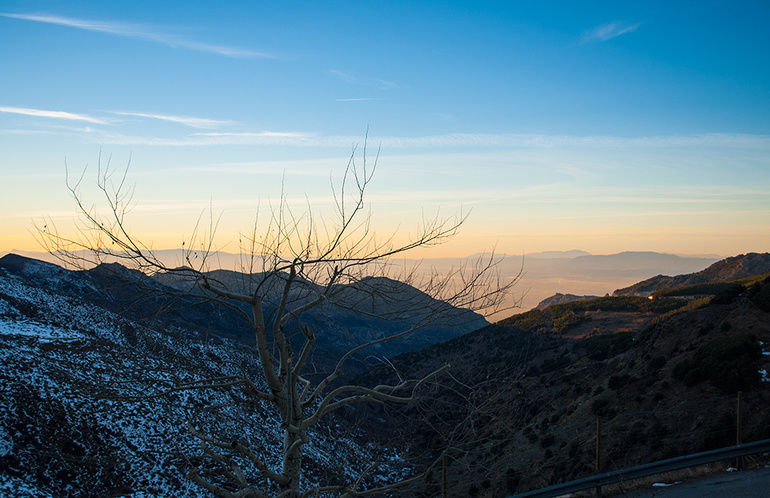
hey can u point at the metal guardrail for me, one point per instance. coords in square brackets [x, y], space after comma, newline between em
[649, 469]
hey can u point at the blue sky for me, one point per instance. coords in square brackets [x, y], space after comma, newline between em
[604, 126]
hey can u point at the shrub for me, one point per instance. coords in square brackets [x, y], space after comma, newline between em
[547, 441]
[606, 346]
[601, 408]
[730, 363]
[722, 433]
[617, 382]
[690, 306]
[512, 479]
[728, 295]
[656, 363]
[761, 296]
[565, 320]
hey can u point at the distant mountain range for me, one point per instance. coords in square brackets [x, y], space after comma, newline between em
[543, 274]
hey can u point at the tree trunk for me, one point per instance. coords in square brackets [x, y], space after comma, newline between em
[292, 465]
[293, 437]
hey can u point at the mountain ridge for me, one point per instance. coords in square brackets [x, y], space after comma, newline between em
[725, 270]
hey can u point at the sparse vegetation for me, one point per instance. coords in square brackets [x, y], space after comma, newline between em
[530, 320]
[689, 306]
[728, 294]
[564, 319]
[623, 303]
[760, 294]
[601, 347]
[730, 363]
[710, 288]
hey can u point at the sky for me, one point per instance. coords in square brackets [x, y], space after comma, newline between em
[600, 126]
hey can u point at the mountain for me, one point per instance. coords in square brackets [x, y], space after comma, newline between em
[559, 298]
[371, 309]
[726, 270]
[76, 415]
[520, 409]
[633, 263]
[557, 254]
[81, 350]
[128, 293]
[393, 306]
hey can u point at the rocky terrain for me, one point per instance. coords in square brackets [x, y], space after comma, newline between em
[78, 411]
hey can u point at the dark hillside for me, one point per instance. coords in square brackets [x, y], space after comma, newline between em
[599, 315]
[663, 389]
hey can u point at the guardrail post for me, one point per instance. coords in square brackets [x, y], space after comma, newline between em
[740, 464]
[599, 452]
[443, 476]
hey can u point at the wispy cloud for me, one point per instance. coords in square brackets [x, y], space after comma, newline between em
[51, 114]
[214, 138]
[140, 32]
[185, 120]
[363, 81]
[610, 30]
[461, 140]
[260, 137]
[663, 214]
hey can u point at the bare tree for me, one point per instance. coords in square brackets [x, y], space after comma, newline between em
[291, 262]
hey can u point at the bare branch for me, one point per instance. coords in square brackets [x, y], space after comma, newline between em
[292, 261]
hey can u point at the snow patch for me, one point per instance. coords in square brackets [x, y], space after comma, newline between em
[6, 445]
[13, 486]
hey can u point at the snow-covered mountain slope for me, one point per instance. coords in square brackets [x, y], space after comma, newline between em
[338, 329]
[77, 416]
